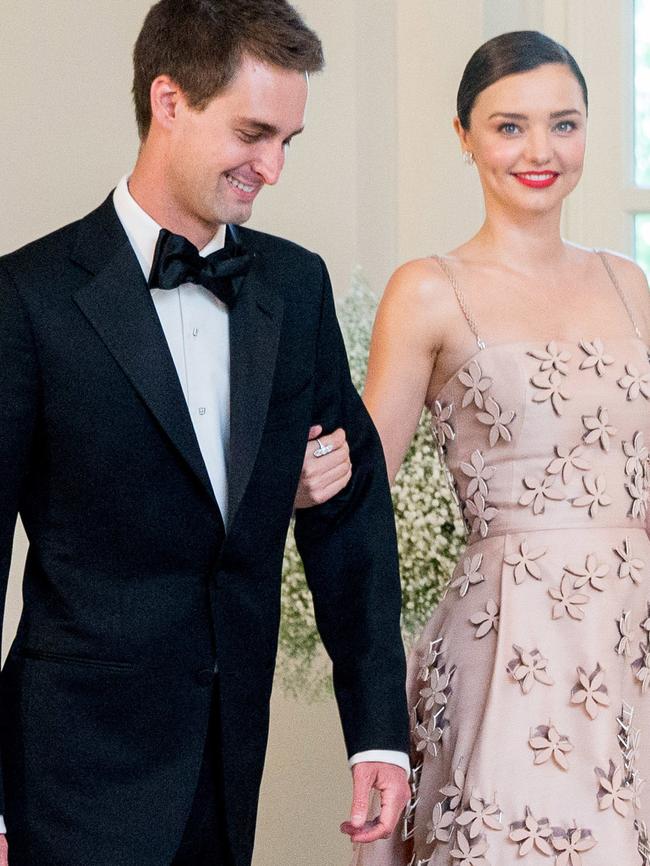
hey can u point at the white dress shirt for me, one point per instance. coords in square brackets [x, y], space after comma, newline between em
[195, 324]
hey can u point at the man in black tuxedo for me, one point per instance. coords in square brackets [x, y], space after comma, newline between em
[154, 408]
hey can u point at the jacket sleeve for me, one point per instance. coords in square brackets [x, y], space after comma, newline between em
[349, 549]
[19, 397]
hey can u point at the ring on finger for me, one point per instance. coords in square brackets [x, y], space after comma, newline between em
[322, 450]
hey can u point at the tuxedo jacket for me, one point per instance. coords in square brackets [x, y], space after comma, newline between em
[134, 590]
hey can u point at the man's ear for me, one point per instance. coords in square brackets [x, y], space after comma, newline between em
[165, 97]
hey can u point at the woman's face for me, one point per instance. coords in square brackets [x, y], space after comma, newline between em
[527, 133]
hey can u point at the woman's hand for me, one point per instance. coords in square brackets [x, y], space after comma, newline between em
[323, 477]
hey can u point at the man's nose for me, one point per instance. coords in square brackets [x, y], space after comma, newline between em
[270, 162]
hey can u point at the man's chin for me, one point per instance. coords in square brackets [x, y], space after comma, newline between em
[238, 216]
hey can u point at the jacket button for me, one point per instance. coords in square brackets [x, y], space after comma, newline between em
[205, 677]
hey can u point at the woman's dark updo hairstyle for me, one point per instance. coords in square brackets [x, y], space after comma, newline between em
[519, 51]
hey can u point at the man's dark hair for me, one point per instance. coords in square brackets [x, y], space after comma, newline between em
[200, 43]
[510, 53]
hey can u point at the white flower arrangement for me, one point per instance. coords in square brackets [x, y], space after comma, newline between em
[430, 530]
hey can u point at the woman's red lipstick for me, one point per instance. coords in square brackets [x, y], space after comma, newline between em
[537, 179]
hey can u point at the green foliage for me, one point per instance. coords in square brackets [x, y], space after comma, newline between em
[430, 530]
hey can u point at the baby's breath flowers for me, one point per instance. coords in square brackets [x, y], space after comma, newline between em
[430, 530]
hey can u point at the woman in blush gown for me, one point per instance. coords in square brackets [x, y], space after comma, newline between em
[530, 686]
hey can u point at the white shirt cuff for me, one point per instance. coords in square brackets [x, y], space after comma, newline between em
[3, 829]
[386, 756]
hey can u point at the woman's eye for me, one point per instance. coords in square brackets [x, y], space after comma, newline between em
[565, 126]
[249, 137]
[509, 128]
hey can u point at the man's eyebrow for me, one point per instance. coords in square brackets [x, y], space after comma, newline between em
[264, 128]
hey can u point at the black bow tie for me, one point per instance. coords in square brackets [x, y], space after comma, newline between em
[177, 261]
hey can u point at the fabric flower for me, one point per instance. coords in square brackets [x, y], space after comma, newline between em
[567, 600]
[641, 668]
[441, 824]
[636, 489]
[591, 691]
[471, 574]
[598, 428]
[548, 743]
[613, 791]
[572, 845]
[497, 420]
[476, 383]
[628, 737]
[442, 428]
[566, 461]
[454, 789]
[553, 358]
[479, 814]
[596, 356]
[624, 645]
[636, 452]
[427, 738]
[525, 562]
[538, 492]
[468, 854]
[593, 573]
[645, 625]
[529, 668]
[550, 387]
[631, 566]
[596, 496]
[478, 473]
[486, 620]
[636, 787]
[532, 833]
[436, 648]
[479, 514]
[635, 383]
[644, 839]
[435, 694]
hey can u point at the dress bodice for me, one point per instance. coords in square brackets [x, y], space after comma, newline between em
[549, 435]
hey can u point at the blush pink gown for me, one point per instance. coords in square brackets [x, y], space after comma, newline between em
[530, 687]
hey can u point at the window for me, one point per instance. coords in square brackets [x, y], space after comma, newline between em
[641, 172]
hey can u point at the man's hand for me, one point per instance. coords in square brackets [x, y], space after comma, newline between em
[323, 477]
[3, 851]
[394, 793]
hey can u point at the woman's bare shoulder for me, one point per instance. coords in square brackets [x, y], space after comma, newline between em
[630, 275]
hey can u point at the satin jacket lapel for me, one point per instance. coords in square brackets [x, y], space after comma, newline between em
[255, 323]
[118, 305]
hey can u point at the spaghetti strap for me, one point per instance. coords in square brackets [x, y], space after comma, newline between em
[620, 291]
[460, 297]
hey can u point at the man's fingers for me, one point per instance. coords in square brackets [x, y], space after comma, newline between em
[392, 805]
[370, 832]
[391, 783]
[351, 830]
[4, 861]
[363, 781]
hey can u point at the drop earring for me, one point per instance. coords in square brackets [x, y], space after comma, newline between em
[468, 158]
